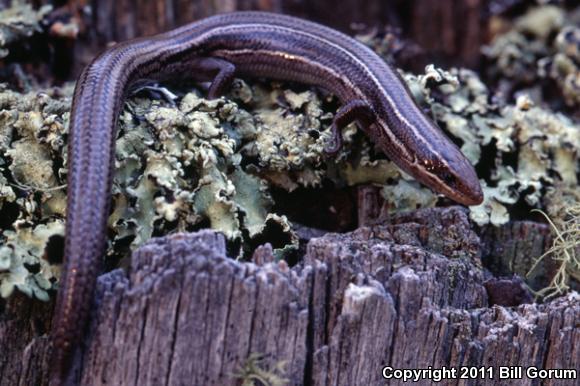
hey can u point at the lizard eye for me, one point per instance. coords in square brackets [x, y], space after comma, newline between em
[448, 178]
[442, 172]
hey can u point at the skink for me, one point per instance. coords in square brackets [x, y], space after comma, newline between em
[245, 44]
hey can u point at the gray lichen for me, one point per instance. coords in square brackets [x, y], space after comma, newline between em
[32, 161]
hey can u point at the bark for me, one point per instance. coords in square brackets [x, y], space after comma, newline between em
[409, 294]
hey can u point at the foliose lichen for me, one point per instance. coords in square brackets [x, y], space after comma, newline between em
[32, 196]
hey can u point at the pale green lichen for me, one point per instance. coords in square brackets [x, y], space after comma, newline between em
[288, 137]
[253, 200]
[32, 167]
[179, 167]
[407, 194]
[20, 266]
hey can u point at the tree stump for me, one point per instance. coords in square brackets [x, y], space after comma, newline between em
[408, 294]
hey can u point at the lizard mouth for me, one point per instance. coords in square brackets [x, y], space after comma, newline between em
[460, 184]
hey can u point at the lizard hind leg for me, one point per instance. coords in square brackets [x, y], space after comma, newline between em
[219, 71]
[355, 110]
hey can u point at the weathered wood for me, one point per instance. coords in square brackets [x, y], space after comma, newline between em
[513, 249]
[380, 296]
[506, 250]
[24, 346]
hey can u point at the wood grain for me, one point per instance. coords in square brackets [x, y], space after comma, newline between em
[381, 295]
